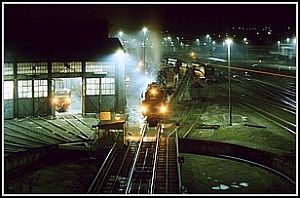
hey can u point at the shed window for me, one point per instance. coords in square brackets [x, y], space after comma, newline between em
[8, 92]
[92, 86]
[108, 86]
[104, 67]
[40, 88]
[66, 67]
[25, 89]
[8, 69]
[32, 68]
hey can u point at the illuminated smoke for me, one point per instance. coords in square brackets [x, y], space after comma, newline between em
[75, 86]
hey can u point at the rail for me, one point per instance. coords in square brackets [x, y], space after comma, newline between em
[152, 186]
[143, 130]
[178, 164]
[96, 184]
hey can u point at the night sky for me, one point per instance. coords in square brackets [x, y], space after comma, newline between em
[185, 19]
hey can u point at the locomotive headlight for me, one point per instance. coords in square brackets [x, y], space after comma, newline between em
[144, 108]
[153, 92]
[163, 109]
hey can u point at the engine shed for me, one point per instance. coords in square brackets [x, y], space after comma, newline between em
[38, 51]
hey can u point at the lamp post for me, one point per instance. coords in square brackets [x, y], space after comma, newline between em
[246, 48]
[278, 50]
[228, 42]
[208, 44]
[145, 30]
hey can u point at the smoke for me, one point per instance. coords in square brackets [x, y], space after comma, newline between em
[139, 75]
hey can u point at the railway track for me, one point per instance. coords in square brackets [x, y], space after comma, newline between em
[191, 116]
[278, 113]
[147, 166]
[37, 132]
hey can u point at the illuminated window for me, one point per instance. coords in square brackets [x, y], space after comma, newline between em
[66, 67]
[92, 86]
[8, 90]
[8, 69]
[100, 67]
[32, 68]
[40, 88]
[108, 86]
[75, 66]
[25, 89]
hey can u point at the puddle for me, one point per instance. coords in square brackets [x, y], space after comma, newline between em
[220, 187]
[244, 184]
[233, 185]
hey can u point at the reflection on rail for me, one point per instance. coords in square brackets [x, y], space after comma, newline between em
[142, 173]
[145, 167]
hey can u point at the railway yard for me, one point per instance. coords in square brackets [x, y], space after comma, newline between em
[255, 154]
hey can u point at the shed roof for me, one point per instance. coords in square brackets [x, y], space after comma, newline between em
[57, 39]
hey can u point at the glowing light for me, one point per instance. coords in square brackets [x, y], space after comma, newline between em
[68, 100]
[120, 33]
[228, 41]
[54, 100]
[144, 109]
[117, 117]
[120, 52]
[145, 30]
[163, 109]
[153, 92]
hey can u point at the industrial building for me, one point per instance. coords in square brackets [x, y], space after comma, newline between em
[44, 55]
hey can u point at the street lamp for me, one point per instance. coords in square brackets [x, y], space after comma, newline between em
[120, 37]
[120, 34]
[145, 30]
[228, 41]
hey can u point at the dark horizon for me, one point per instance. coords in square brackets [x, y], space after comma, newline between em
[182, 19]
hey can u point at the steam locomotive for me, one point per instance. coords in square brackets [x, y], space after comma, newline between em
[62, 100]
[154, 105]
